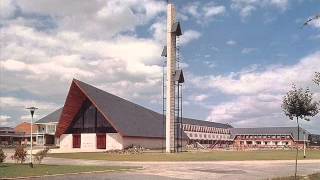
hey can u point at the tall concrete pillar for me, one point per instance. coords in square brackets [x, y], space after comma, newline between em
[171, 67]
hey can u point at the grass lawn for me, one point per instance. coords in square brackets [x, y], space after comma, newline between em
[23, 170]
[194, 156]
[315, 176]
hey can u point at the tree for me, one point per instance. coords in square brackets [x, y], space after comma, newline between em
[41, 154]
[2, 156]
[20, 154]
[299, 104]
[317, 78]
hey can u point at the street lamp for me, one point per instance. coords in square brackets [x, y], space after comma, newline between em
[32, 109]
[304, 144]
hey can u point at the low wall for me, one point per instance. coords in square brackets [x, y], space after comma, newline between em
[114, 141]
[88, 143]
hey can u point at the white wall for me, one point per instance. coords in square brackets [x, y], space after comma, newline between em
[66, 141]
[114, 141]
[88, 143]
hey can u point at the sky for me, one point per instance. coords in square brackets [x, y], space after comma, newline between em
[239, 57]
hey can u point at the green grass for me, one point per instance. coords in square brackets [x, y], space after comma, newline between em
[315, 176]
[194, 156]
[23, 170]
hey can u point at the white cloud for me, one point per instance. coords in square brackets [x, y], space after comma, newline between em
[13, 65]
[94, 41]
[27, 117]
[272, 79]
[4, 120]
[192, 9]
[96, 18]
[282, 4]
[23, 103]
[200, 97]
[246, 7]
[210, 64]
[212, 10]
[231, 42]
[7, 9]
[315, 23]
[203, 13]
[261, 110]
[246, 107]
[257, 94]
[189, 36]
[247, 10]
[159, 30]
[248, 50]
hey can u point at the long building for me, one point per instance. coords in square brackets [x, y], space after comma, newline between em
[20, 135]
[269, 137]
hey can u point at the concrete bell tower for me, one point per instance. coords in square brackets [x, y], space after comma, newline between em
[173, 30]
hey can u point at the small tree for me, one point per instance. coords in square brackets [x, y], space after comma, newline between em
[20, 154]
[298, 104]
[317, 78]
[41, 154]
[2, 156]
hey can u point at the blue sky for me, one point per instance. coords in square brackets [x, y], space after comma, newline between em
[240, 57]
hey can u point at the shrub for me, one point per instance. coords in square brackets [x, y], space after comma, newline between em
[20, 154]
[2, 156]
[41, 154]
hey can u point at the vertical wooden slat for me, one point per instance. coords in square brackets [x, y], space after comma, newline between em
[72, 105]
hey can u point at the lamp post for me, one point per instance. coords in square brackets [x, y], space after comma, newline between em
[304, 144]
[32, 110]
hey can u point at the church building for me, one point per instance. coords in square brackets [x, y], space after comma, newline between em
[94, 120]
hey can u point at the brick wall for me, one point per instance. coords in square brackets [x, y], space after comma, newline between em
[25, 128]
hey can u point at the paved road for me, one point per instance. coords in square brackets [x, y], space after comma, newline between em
[110, 176]
[226, 170]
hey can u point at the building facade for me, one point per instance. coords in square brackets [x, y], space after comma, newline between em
[24, 131]
[46, 129]
[20, 135]
[269, 137]
[208, 134]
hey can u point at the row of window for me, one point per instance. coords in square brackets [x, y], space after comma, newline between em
[265, 143]
[264, 136]
[205, 129]
[208, 136]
